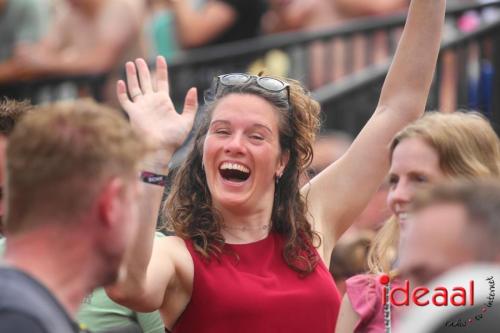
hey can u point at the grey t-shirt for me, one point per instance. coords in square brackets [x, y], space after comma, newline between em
[22, 21]
[26, 306]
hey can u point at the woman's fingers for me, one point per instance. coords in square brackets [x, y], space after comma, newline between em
[134, 89]
[144, 76]
[190, 104]
[121, 92]
[162, 75]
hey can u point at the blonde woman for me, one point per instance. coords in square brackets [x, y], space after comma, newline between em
[435, 148]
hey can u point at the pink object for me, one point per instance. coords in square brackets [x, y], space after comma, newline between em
[469, 22]
[365, 294]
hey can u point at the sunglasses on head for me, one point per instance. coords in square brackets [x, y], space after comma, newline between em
[236, 79]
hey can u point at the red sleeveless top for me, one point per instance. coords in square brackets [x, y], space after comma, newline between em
[258, 292]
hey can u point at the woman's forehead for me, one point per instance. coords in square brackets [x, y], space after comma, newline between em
[244, 106]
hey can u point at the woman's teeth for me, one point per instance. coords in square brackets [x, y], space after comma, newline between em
[234, 166]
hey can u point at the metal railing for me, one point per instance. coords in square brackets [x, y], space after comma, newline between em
[51, 89]
[467, 77]
[316, 58]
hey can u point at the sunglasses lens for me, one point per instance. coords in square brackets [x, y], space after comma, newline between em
[271, 84]
[234, 79]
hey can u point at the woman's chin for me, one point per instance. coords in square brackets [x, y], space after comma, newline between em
[230, 200]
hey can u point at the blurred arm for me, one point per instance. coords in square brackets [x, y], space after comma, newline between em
[115, 29]
[367, 8]
[197, 28]
[348, 318]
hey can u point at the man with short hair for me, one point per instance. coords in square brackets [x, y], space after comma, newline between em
[71, 211]
[451, 226]
[453, 239]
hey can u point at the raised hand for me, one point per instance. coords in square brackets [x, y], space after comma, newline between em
[150, 108]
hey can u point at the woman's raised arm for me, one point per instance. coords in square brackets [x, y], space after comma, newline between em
[337, 195]
[150, 264]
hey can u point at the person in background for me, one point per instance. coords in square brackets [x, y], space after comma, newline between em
[160, 28]
[454, 238]
[451, 225]
[87, 37]
[328, 148]
[295, 15]
[237, 200]
[21, 22]
[160, 31]
[72, 194]
[349, 256]
[349, 9]
[436, 148]
[216, 22]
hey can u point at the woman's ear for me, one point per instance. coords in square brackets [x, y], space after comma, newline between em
[283, 161]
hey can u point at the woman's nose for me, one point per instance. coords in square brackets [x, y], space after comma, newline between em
[234, 145]
[400, 194]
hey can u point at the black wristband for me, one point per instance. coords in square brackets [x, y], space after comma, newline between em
[153, 178]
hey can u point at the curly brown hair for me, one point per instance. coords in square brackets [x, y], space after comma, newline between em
[189, 210]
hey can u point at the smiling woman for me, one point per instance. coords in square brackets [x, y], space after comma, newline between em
[252, 248]
[243, 158]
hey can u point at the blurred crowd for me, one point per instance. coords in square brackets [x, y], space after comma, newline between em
[58, 37]
[40, 39]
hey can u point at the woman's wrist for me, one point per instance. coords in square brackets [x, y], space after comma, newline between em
[157, 162]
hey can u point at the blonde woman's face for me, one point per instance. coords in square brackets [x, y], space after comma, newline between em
[414, 163]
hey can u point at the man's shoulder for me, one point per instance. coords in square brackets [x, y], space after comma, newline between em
[19, 290]
[23, 296]
[19, 322]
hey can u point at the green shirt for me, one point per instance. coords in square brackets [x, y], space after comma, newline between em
[22, 21]
[2, 246]
[99, 312]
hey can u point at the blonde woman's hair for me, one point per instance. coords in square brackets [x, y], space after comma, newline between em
[467, 147]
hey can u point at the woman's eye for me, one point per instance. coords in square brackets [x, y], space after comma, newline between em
[393, 180]
[257, 137]
[421, 179]
[222, 131]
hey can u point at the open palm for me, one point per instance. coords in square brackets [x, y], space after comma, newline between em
[150, 108]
